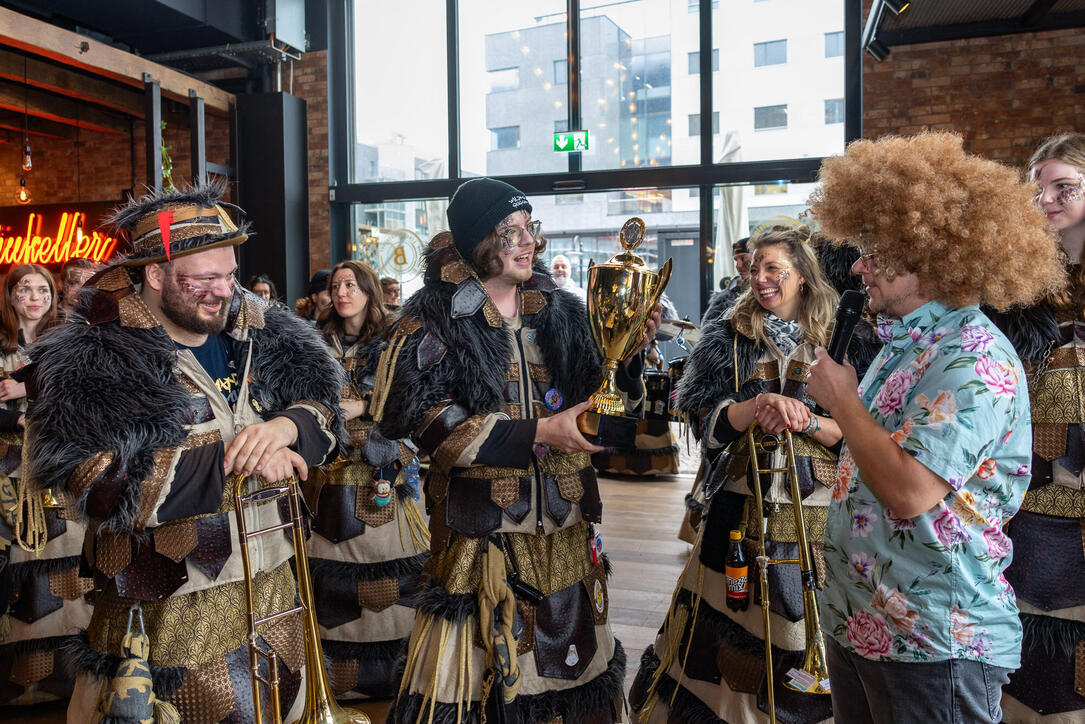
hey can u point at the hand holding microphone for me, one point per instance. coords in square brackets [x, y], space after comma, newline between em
[830, 377]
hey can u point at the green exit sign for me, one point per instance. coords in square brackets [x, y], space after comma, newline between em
[571, 141]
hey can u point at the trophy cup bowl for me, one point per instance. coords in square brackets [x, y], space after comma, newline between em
[621, 296]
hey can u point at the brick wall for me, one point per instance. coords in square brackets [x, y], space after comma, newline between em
[1003, 94]
[311, 85]
[106, 166]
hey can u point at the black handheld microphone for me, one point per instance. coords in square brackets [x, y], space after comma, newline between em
[847, 315]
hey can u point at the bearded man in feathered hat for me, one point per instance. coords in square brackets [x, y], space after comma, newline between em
[178, 382]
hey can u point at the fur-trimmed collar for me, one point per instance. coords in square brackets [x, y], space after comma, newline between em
[455, 316]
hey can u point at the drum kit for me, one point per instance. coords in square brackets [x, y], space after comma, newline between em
[661, 387]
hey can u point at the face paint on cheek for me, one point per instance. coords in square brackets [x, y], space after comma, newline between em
[783, 276]
[1074, 193]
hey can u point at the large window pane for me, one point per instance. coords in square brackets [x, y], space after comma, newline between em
[513, 75]
[787, 56]
[636, 85]
[392, 235]
[401, 126]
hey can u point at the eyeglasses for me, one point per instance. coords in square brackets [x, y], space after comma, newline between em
[201, 286]
[511, 236]
[869, 260]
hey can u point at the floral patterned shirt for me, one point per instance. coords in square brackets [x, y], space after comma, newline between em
[929, 588]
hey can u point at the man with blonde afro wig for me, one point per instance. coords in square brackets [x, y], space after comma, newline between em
[917, 613]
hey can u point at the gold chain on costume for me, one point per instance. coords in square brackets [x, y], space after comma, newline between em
[29, 513]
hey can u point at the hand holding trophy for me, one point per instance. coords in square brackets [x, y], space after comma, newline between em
[621, 295]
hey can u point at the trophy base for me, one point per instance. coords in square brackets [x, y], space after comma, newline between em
[608, 430]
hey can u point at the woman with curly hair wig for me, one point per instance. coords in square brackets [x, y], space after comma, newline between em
[706, 664]
[917, 612]
[1048, 571]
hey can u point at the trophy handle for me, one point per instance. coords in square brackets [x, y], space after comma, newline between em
[664, 277]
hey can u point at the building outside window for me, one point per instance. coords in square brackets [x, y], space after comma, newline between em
[504, 79]
[505, 138]
[695, 123]
[834, 44]
[561, 126]
[834, 110]
[561, 72]
[766, 118]
[772, 52]
[695, 61]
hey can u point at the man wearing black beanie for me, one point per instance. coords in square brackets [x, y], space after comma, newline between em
[484, 371]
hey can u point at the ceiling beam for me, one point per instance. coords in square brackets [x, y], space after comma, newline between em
[38, 103]
[13, 121]
[982, 29]
[73, 84]
[79, 51]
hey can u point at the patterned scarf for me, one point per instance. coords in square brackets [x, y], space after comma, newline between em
[786, 335]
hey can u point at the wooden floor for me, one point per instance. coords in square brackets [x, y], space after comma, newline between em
[641, 518]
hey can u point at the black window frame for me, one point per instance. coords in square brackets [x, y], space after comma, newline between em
[707, 174]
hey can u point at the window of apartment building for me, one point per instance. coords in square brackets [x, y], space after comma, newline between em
[834, 44]
[561, 72]
[695, 61]
[504, 138]
[695, 5]
[695, 123]
[504, 79]
[772, 52]
[834, 110]
[646, 201]
[767, 118]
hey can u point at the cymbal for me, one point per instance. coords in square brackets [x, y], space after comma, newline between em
[683, 324]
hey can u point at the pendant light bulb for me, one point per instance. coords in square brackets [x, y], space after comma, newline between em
[28, 164]
[22, 195]
[79, 229]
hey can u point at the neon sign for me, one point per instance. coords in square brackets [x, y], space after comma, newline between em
[71, 238]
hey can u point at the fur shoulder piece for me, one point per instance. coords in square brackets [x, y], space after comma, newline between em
[710, 372]
[291, 363]
[102, 387]
[1032, 331]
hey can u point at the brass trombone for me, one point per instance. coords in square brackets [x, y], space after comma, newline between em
[320, 705]
[814, 671]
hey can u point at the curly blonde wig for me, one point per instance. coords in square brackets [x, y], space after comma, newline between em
[818, 297]
[967, 227]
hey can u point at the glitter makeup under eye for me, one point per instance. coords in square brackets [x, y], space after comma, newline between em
[1072, 194]
[784, 275]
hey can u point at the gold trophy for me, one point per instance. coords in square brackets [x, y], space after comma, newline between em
[621, 296]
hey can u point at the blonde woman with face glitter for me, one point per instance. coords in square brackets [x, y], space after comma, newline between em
[705, 665]
[36, 616]
[1048, 570]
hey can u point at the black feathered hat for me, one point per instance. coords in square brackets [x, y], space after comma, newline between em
[164, 225]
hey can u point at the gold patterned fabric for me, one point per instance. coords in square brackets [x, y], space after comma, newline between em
[196, 628]
[570, 487]
[367, 510]
[286, 637]
[1055, 500]
[206, 694]
[782, 522]
[549, 563]
[343, 674]
[1049, 439]
[135, 313]
[68, 585]
[1056, 396]
[176, 540]
[88, 471]
[532, 301]
[378, 595]
[505, 491]
[32, 667]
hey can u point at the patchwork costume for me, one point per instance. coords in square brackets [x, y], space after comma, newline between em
[468, 385]
[134, 428]
[707, 664]
[42, 595]
[367, 549]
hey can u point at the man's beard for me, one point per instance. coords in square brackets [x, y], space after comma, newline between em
[181, 309]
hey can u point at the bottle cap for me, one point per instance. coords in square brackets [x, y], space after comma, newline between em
[736, 535]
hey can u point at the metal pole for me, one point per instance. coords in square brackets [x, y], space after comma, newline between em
[152, 94]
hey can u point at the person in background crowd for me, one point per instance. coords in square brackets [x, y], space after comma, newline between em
[369, 541]
[319, 300]
[723, 300]
[390, 292]
[73, 275]
[918, 614]
[560, 272]
[487, 370]
[41, 593]
[262, 286]
[1048, 569]
[179, 382]
[706, 664]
